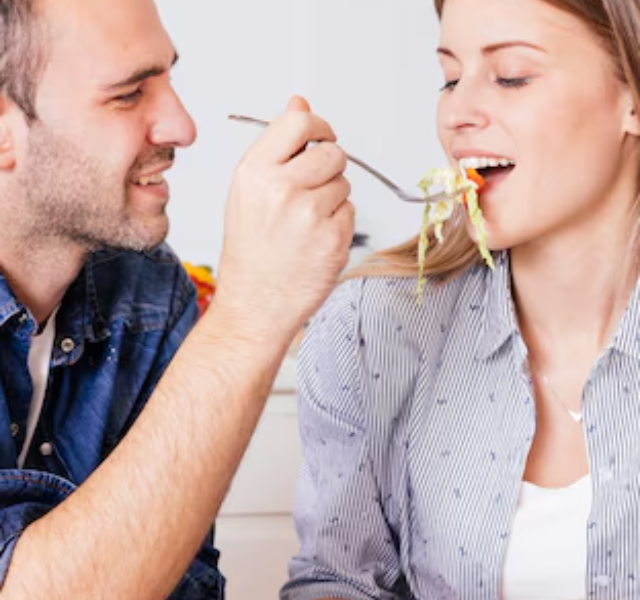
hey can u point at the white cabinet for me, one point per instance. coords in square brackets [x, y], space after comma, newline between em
[255, 554]
[254, 531]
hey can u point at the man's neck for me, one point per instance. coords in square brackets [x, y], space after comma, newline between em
[40, 276]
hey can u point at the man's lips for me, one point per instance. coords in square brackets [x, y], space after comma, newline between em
[153, 176]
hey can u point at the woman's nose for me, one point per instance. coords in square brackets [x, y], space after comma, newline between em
[462, 107]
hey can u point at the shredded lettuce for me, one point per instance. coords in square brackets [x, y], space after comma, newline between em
[477, 220]
[463, 191]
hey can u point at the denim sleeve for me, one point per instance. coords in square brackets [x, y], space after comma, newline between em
[25, 496]
[346, 546]
[203, 580]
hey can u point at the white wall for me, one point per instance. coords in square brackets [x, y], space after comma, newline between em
[367, 66]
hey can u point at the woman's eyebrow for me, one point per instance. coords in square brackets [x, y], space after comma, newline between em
[493, 48]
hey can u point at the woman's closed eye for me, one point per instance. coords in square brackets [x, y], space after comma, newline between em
[512, 82]
[505, 82]
[449, 85]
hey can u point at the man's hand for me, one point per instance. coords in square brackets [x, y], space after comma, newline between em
[289, 224]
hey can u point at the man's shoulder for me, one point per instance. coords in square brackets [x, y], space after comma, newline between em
[142, 287]
[116, 258]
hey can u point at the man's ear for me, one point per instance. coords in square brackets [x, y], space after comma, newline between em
[12, 122]
[7, 149]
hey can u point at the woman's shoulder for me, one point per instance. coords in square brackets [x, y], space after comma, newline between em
[381, 299]
[383, 313]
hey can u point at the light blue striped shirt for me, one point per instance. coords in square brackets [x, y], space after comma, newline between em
[416, 422]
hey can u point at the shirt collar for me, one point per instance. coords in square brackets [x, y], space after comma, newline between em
[627, 337]
[9, 304]
[499, 321]
[78, 314]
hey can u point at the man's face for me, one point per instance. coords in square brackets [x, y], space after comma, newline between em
[89, 171]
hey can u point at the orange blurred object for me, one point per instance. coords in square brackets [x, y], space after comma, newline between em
[474, 176]
[202, 278]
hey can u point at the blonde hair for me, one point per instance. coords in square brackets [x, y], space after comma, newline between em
[444, 260]
[617, 25]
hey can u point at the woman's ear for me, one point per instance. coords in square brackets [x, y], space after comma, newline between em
[631, 124]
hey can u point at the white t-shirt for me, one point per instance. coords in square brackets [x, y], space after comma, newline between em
[39, 362]
[547, 553]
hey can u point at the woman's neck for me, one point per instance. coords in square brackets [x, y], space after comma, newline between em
[570, 296]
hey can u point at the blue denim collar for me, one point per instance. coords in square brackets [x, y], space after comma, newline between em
[79, 315]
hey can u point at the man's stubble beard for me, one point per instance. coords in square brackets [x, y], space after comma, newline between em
[76, 199]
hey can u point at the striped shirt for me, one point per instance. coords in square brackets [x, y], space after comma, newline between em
[416, 422]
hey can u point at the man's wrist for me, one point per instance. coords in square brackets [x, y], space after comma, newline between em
[250, 322]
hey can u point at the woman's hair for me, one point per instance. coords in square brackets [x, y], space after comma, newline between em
[617, 25]
[444, 260]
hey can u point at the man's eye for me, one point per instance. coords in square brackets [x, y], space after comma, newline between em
[512, 82]
[449, 85]
[130, 98]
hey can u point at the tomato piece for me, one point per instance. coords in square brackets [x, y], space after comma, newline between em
[473, 175]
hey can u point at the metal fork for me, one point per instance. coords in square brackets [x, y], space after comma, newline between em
[398, 191]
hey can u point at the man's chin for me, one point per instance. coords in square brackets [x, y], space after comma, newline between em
[138, 241]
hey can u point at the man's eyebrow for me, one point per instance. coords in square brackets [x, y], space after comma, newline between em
[140, 75]
[493, 48]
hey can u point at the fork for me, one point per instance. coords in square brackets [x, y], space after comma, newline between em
[397, 190]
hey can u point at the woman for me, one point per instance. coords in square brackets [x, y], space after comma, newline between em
[485, 443]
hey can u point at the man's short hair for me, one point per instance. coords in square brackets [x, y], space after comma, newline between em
[22, 52]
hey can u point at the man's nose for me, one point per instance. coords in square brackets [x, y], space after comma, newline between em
[173, 125]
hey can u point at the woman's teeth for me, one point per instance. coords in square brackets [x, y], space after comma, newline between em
[483, 162]
[151, 180]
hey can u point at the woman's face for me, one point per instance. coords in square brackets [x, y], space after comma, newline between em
[529, 83]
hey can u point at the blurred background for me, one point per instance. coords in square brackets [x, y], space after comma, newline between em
[370, 68]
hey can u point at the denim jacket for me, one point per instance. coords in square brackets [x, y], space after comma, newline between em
[118, 327]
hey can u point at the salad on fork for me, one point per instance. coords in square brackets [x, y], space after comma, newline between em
[463, 186]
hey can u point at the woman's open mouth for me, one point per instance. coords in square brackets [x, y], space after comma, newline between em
[494, 170]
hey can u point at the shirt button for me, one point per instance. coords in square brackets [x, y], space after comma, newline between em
[67, 345]
[601, 580]
[15, 428]
[46, 449]
[23, 318]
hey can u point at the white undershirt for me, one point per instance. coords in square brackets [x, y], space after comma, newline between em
[547, 553]
[39, 362]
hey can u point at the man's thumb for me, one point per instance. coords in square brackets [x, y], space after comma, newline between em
[298, 103]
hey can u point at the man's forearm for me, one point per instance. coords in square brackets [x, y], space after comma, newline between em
[132, 529]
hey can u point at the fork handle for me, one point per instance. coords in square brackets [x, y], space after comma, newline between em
[379, 176]
[263, 123]
[353, 159]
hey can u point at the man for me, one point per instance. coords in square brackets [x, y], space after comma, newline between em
[117, 448]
